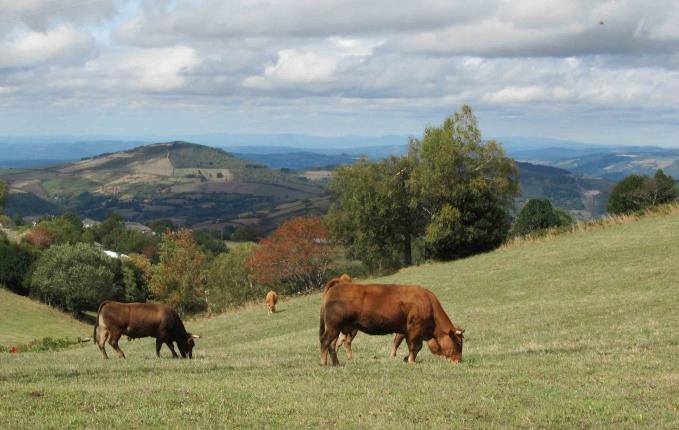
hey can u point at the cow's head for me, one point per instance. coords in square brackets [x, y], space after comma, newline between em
[451, 344]
[186, 347]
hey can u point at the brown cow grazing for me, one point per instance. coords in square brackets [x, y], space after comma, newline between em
[271, 300]
[412, 311]
[136, 320]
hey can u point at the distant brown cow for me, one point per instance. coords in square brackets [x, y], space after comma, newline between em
[136, 320]
[271, 300]
[412, 311]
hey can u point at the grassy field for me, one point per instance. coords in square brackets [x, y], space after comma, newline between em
[578, 331]
[23, 320]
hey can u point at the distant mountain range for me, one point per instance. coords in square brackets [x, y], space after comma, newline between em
[296, 151]
[149, 181]
[191, 184]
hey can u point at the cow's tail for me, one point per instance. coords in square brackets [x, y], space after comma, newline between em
[96, 321]
[321, 329]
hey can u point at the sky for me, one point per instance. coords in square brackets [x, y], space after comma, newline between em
[588, 70]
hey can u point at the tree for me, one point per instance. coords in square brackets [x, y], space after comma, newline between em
[67, 228]
[452, 188]
[229, 279]
[114, 236]
[39, 237]
[246, 233]
[15, 264]
[75, 277]
[4, 191]
[539, 214]
[297, 256]
[136, 274]
[637, 192]
[211, 242]
[179, 278]
[467, 185]
[372, 215]
[162, 225]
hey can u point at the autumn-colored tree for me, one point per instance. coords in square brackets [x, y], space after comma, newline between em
[179, 278]
[296, 256]
[39, 237]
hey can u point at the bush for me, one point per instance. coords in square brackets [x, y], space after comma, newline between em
[229, 280]
[637, 192]
[539, 214]
[75, 277]
[40, 345]
[211, 242]
[136, 274]
[15, 264]
[246, 233]
[63, 229]
[179, 278]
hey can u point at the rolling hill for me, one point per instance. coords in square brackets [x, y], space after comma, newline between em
[192, 184]
[23, 320]
[575, 331]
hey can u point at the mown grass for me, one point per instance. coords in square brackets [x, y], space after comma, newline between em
[578, 331]
[23, 320]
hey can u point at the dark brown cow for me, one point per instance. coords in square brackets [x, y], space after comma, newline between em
[136, 320]
[379, 309]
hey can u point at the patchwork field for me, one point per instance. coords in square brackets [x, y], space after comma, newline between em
[577, 331]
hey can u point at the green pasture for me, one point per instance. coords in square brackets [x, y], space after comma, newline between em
[578, 331]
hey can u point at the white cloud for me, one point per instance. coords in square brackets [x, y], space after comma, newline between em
[405, 59]
[295, 67]
[159, 69]
[61, 45]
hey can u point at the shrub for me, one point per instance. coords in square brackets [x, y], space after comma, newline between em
[539, 214]
[246, 233]
[136, 274]
[15, 263]
[229, 279]
[637, 192]
[179, 278]
[75, 277]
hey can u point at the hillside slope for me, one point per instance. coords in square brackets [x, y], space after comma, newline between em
[186, 182]
[23, 320]
[578, 331]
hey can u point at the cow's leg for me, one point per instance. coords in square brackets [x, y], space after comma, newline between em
[171, 346]
[159, 344]
[347, 343]
[414, 345]
[113, 341]
[398, 338]
[103, 336]
[328, 340]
